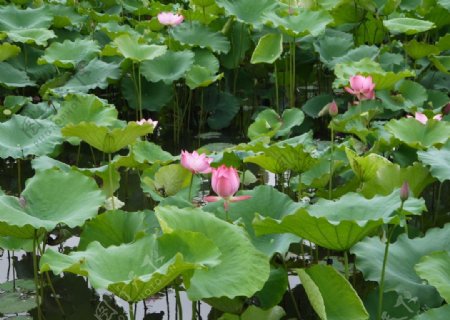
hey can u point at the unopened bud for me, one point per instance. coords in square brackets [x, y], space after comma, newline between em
[404, 191]
[333, 108]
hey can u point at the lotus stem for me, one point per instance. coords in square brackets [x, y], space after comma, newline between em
[179, 307]
[330, 183]
[131, 311]
[52, 288]
[140, 93]
[190, 187]
[291, 294]
[347, 272]
[277, 93]
[436, 207]
[194, 310]
[111, 188]
[36, 275]
[19, 175]
[383, 270]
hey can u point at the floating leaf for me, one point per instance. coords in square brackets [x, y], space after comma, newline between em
[68, 54]
[197, 35]
[330, 294]
[404, 254]
[42, 210]
[408, 25]
[438, 160]
[22, 136]
[340, 224]
[169, 67]
[108, 140]
[268, 49]
[243, 269]
[17, 296]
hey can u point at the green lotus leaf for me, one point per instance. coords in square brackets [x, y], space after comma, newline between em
[239, 36]
[113, 228]
[15, 297]
[330, 294]
[137, 270]
[251, 12]
[418, 50]
[132, 48]
[13, 18]
[438, 160]
[329, 49]
[77, 108]
[169, 67]
[404, 254]
[39, 209]
[68, 54]
[435, 269]
[357, 54]
[96, 74]
[38, 36]
[340, 224]
[253, 312]
[197, 35]
[108, 140]
[154, 95]
[305, 22]
[267, 202]
[442, 63]
[199, 76]
[274, 288]
[243, 269]
[435, 314]
[408, 25]
[8, 50]
[268, 49]
[14, 243]
[12, 77]
[418, 135]
[267, 123]
[206, 59]
[23, 136]
[148, 152]
[221, 107]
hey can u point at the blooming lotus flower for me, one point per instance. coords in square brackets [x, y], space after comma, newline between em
[170, 19]
[361, 87]
[422, 118]
[225, 183]
[147, 121]
[196, 163]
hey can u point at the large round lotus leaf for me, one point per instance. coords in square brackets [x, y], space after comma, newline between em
[113, 228]
[251, 12]
[268, 49]
[418, 50]
[253, 312]
[441, 313]
[23, 136]
[408, 25]
[133, 49]
[221, 107]
[195, 34]
[40, 207]
[38, 36]
[306, 22]
[149, 152]
[13, 18]
[137, 270]
[419, 135]
[96, 74]
[274, 288]
[13, 243]
[267, 123]
[404, 254]
[77, 108]
[12, 77]
[267, 202]
[199, 76]
[68, 54]
[435, 269]
[243, 269]
[438, 160]
[16, 297]
[169, 67]
[8, 50]
[106, 139]
[340, 224]
[330, 294]
[206, 59]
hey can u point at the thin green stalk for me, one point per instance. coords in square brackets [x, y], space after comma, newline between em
[141, 115]
[19, 176]
[194, 310]
[190, 187]
[52, 288]
[111, 188]
[347, 272]
[78, 154]
[383, 271]
[291, 294]
[131, 311]
[277, 93]
[93, 155]
[36, 275]
[330, 183]
[178, 300]
[436, 207]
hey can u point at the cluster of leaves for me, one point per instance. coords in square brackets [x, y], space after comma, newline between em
[70, 74]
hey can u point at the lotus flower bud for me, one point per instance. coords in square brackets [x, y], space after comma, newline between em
[404, 191]
[333, 108]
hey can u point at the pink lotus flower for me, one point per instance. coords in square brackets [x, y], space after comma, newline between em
[422, 118]
[225, 183]
[170, 19]
[196, 163]
[333, 108]
[147, 121]
[361, 87]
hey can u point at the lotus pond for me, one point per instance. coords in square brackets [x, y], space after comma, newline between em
[218, 159]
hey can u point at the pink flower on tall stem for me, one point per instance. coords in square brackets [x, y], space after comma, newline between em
[147, 121]
[196, 163]
[361, 87]
[225, 183]
[422, 118]
[170, 19]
